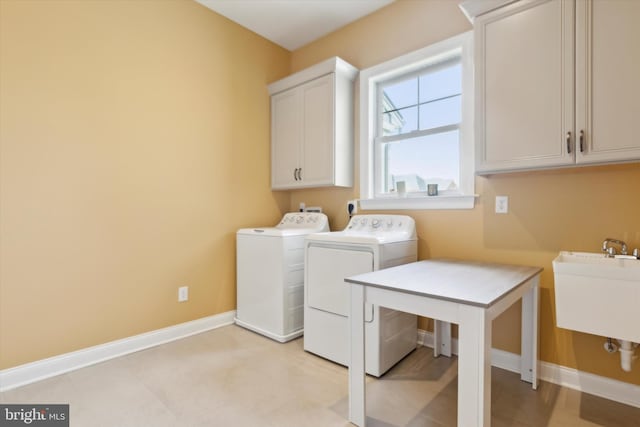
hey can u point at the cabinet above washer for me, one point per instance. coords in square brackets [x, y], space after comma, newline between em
[312, 127]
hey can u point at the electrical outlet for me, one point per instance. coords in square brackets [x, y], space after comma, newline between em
[352, 207]
[183, 293]
[502, 204]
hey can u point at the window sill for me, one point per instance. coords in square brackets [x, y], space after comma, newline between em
[419, 203]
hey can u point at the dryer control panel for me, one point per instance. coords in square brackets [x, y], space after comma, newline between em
[377, 224]
[315, 220]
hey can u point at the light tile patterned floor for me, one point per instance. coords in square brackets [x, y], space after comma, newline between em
[233, 377]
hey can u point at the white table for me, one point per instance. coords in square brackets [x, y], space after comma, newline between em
[470, 294]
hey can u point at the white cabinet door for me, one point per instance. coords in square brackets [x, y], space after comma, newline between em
[286, 136]
[317, 165]
[607, 76]
[312, 127]
[524, 79]
[302, 121]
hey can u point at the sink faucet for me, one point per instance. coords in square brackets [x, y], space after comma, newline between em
[611, 251]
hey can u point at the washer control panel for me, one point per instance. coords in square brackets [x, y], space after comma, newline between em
[382, 224]
[315, 220]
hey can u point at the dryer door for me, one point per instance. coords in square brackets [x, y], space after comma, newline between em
[327, 268]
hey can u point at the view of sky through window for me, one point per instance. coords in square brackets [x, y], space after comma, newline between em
[427, 108]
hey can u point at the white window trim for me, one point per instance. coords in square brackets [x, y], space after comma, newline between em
[459, 45]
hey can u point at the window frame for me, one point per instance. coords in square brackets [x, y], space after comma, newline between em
[460, 46]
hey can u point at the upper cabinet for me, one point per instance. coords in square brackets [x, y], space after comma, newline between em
[312, 127]
[556, 83]
[607, 80]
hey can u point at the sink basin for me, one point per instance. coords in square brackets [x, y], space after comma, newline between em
[598, 295]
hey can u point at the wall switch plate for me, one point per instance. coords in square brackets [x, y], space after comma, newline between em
[502, 204]
[183, 293]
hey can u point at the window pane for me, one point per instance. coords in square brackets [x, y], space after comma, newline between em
[432, 159]
[441, 83]
[441, 113]
[400, 95]
[400, 121]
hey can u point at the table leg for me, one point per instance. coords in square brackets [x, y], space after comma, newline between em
[357, 397]
[529, 342]
[441, 338]
[474, 368]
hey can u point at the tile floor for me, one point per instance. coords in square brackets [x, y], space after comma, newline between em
[233, 377]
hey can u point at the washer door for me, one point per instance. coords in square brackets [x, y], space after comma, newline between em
[327, 268]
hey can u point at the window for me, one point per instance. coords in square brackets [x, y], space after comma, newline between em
[416, 129]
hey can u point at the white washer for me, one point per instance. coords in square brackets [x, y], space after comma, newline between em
[368, 243]
[270, 275]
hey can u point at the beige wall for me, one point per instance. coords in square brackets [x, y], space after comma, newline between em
[134, 143]
[572, 209]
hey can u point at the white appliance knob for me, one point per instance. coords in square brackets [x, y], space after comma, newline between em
[299, 220]
[375, 223]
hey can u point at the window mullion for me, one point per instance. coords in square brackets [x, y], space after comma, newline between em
[418, 102]
[416, 134]
[442, 98]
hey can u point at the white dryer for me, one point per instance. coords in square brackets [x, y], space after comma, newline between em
[368, 243]
[270, 275]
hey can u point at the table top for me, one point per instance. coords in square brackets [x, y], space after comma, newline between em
[467, 282]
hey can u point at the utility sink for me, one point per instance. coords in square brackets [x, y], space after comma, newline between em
[598, 295]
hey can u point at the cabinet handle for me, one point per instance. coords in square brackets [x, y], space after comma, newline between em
[300, 173]
[582, 141]
[295, 174]
[569, 142]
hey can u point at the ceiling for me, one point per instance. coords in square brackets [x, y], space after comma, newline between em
[293, 23]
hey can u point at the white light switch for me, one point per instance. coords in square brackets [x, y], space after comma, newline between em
[183, 293]
[502, 204]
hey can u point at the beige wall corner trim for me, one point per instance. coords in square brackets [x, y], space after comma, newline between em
[607, 388]
[35, 371]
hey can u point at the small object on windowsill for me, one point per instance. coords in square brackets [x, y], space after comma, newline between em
[432, 189]
[402, 188]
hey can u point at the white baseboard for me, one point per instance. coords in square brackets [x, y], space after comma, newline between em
[46, 368]
[607, 388]
[584, 382]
